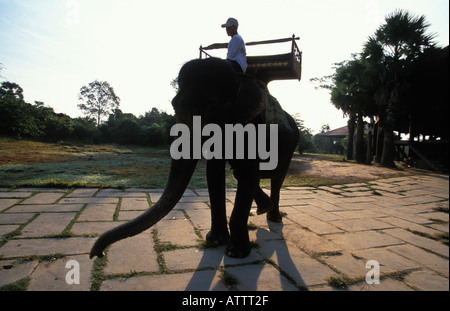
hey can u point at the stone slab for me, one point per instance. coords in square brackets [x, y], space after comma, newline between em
[389, 261]
[140, 204]
[94, 200]
[41, 247]
[135, 254]
[15, 194]
[98, 212]
[386, 285]
[346, 263]
[87, 228]
[46, 208]
[194, 258]
[201, 218]
[363, 239]
[5, 229]
[420, 241]
[208, 280]
[122, 194]
[401, 223]
[128, 215]
[177, 232]
[308, 241]
[14, 270]
[261, 277]
[303, 269]
[422, 257]
[427, 281]
[5, 203]
[8, 219]
[43, 198]
[314, 224]
[83, 192]
[51, 275]
[47, 224]
[361, 224]
[319, 213]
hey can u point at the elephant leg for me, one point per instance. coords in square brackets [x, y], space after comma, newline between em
[246, 173]
[275, 187]
[287, 145]
[263, 202]
[215, 174]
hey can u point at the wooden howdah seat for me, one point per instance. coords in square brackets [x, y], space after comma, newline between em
[267, 68]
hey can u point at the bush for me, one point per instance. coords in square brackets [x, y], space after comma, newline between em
[86, 129]
[19, 118]
[153, 135]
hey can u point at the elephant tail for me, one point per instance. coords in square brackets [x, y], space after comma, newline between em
[180, 174]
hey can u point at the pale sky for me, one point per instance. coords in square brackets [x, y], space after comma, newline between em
[52, 48]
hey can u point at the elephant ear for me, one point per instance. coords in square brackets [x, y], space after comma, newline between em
[249, 100]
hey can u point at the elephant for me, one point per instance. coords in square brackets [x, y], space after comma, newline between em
[210, 88]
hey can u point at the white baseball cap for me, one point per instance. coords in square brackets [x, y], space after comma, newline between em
[231, 22]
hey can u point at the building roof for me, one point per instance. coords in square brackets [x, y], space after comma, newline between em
[339, 132]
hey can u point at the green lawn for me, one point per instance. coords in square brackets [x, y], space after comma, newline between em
[40, 164]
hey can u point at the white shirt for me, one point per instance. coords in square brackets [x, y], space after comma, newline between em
[236, 51]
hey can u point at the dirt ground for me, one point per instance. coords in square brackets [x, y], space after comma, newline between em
[340, 170]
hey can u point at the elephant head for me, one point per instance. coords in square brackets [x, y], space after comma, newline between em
[209, 88]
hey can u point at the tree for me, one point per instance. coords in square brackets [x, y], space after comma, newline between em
[325, 128]
[376, 82]
[393, 49]
[99, 100]
[351, 92]
[11, 89]
[16, 116]
[305, 142]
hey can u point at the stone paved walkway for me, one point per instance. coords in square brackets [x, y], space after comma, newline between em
[328, 236]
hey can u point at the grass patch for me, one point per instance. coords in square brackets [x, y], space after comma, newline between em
[228, 279]
[98, 275]
[20, 285]
[252, 227]
[441, 209]
[374, 192]
[442, 237]
[28, 163]
[50, 257]
[159, 255]
[166, 247]
[327, 254]
[339, 282]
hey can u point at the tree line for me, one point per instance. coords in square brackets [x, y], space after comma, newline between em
[98, 100]
[399, 82]
[21, 119]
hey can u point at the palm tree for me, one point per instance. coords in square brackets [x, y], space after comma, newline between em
[352, 92]
[392, 51]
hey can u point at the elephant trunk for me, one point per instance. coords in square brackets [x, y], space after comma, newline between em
[180, 174]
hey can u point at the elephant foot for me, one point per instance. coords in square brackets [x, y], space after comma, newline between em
[274, 215]
[238, 250]
[214, 239]
[265, 207]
